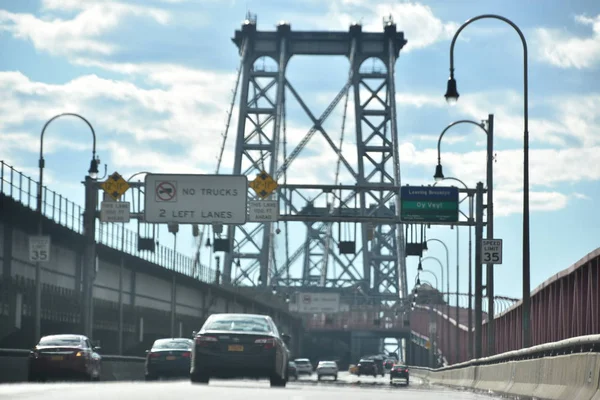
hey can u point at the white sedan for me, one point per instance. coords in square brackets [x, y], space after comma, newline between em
[327, 368]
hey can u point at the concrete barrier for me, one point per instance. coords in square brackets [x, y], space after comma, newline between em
[14, 367]
[569, 369]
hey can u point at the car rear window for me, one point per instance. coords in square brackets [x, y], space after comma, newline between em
[302, 362]
[60, 341]
[327, 364]
[239, 324]
[173, 344]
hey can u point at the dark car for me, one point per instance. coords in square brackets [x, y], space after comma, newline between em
[379, 365]
[366, 367]
[399, 372]
[64, 356]
[240, 346]
[169, 358]
[292, 370]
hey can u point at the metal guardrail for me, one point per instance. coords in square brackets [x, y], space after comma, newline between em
[64, 212]
[579, 344]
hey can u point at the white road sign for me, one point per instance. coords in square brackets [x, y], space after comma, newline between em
[491, 251]
[318, 302]
[114, 211]
[196, 199]
[432, 328]
[39, 248]
[263, 211]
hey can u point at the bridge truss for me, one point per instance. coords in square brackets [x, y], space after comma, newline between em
[375, 264]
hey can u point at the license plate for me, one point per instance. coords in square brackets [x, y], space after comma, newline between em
[57, 358]
[235, 347]
[171, 357]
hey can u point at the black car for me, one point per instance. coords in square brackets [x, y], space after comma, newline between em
[240, 346]
[292, 370]
[367, 367]
[64, 356]
[399, 372]
[169, 358]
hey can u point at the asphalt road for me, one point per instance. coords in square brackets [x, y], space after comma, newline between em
[347, 388]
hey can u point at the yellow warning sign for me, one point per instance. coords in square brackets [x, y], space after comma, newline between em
[427, 345]
[115, 186]
[263, 185]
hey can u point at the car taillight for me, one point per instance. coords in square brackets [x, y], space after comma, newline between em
[267, 343]
[186, 354]
[154, 355]
[205, 340]
[406, 370]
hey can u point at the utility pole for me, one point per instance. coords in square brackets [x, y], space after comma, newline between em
[491, 331]
[478, 269]
[174, 228]
[88, 267]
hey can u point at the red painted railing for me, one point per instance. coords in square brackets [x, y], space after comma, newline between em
[564, 306]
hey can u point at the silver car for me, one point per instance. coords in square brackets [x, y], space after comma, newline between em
[303, 366]
[327, 368]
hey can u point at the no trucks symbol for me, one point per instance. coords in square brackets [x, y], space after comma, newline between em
[166, 191]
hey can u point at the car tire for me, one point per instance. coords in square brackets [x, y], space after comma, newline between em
[335, 378]
[318, 377]
[34, 377]
[199, 378]
[277, 381]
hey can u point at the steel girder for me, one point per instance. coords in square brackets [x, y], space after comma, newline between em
[256, 149]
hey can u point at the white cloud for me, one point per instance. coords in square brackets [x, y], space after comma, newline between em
[417, 21]
[565, 50]
[81, 34]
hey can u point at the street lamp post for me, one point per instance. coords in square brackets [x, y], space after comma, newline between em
[439, 176]
[452, 96]
[470, 290]
[89, 231]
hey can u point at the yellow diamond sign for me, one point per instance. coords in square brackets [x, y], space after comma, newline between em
[115, 186]
[263, 185]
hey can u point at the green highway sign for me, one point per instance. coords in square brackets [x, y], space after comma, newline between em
[428, 204]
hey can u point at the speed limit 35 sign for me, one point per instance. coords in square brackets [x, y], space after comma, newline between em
[39, 248]
[491, 251]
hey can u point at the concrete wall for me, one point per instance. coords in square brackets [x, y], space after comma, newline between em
[127, 287]
[572, 376]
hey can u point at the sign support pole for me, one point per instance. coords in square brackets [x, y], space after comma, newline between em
[89, 255]
[478, 270]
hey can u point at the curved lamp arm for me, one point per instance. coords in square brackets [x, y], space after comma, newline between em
[438, 169]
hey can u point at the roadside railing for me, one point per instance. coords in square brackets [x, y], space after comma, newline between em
[580, 344]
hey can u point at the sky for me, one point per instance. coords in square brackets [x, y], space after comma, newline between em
[155, 79]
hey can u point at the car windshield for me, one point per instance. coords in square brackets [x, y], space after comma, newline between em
[366, 361]
[239, 324]
[60, 341]
[173, 344]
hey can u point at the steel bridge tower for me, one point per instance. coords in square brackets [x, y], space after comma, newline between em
[377, 266]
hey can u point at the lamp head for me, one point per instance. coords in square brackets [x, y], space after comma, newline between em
[451, 92]
[418, 283]
[274, 290]
[238, 263]
[287, 298]
[93, 171]
[260, 280]
[420, 267]
[439, 173]
[424, 247]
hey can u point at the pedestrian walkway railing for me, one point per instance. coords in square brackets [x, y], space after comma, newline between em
[64, 212]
